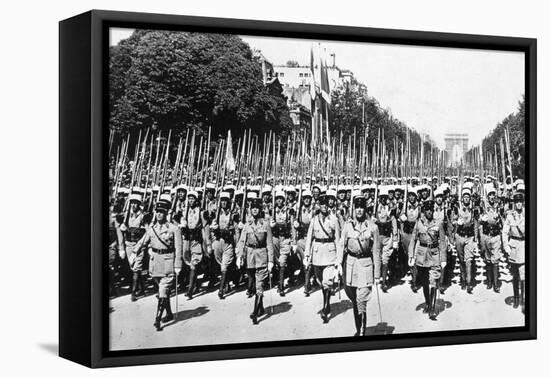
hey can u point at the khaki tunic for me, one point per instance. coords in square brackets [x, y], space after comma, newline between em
[359, 238]
[282, 221]
[256, 241]
[223, 244]
[490, 234]
[319, 252]
[513, 236]
[133, 233]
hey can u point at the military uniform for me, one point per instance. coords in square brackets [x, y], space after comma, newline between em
[388, 237]
[359, 243]
[301, 226]
[465, 242]
[255, 245]
[281, 228]
[491, 245]
[132, 234]
[165, 244]
[428, 251]
[321, 251]
[223, 232]
[513, 240]
[409, 217]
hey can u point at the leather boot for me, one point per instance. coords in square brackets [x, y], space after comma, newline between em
[462, 276]
[324, 312]
[426, 292]
[515, 286]
[191, 287]
[250, 291]
[169, 315]
[254, 315]
[307, 284]
[384, 275]
[496, 282]
[414, 274]
[357, 319]
[469, 287]
[489, 272]
[133, 295]
[364, 324]
[221, 291]
[160, 308]
[261, 309]
[433, 298]
[281, 288]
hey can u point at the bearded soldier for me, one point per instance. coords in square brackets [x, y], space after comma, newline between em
[428, 251]
[358, 242]
[388, 237]
[465, 238]
[223, 232]
[490, 238]
[165, 243]
[193, 229]
[256, 247]
[409, 216]
[321, 251]
[513, 240]
[281, 222]
[301, 226]
[133, 232]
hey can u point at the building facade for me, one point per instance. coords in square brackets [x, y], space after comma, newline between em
[456, 146]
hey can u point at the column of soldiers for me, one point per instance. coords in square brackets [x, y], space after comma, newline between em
[348, 231]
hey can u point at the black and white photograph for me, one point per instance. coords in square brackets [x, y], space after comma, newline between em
[267, 189]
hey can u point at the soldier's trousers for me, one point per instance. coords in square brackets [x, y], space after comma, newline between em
[193, 248]
[136, 260]
[491, 248]
[281, 250]
[405, 241]
[383, 257]
[359, 296]
[517, 271]
[325, 275]
[465, 247]
[260, 275]
[165, 284]
[225, 252]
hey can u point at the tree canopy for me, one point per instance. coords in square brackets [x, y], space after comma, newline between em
[174, 80]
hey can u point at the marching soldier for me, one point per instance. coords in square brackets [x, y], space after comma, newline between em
[193, 229]
[358, 243]
[165, 243]
[490, 238]
[281, 228]
[116, 248]
[133, 232]
[513, 240]
[428, 251]
[388, 237]
[409, 216]
[465, 238]
[223, 231]
[301, 226]
[256, 247]
[321, 251]
[440, 215]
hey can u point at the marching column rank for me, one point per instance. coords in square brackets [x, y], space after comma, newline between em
[428, 251]
[359, 240]
[409, 216]
[255, 245]
[513, 240]
[165, 243]
[465, 237]
[490, 238]
[387, 228]
[301, 226]
[133, 231]
[193, 228]
[223, 231]
[321, 251]
[281, 227]
[441, 215]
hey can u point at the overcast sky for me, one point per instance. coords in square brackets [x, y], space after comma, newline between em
[434, 90]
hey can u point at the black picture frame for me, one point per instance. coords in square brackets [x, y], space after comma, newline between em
[83, 116]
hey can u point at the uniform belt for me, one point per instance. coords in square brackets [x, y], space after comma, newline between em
[431, 245]
[256, 246]
[361, 255]
[517, 238]
[163, 251]
[324, 240]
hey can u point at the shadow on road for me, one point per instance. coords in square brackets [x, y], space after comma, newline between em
[277, 309]
[337, 308]
[440, 306]
[187, 314]
[380, 329]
